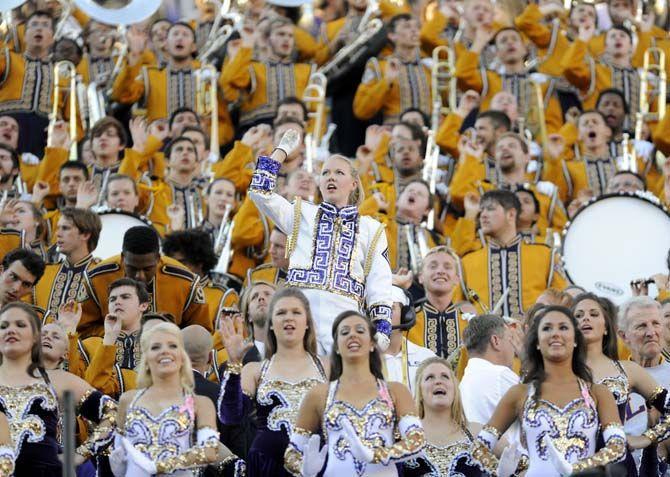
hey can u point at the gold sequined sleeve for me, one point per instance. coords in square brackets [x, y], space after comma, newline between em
[101, 409]
[6, 461]
[295, 452]
[659, 400]
[410, 444]
[613, 451]
[196, 456]
[482, 449]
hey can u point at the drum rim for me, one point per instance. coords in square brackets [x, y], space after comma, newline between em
[632, 195]
[143, 218]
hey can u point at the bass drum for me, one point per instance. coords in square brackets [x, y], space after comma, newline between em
[115, 223]
[613, 240]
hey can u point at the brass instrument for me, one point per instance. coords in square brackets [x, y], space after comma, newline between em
[224, 238]
[69, 70]
[135, 11]
[443, 78]
[628, 159]
[351, 53]
[651, 70]
[207, 104]
[536, 110]
[220, 32]
[429, 173]
[224, 231]
[8, 33]
[314, 98]
[103, 188]
[414, 258]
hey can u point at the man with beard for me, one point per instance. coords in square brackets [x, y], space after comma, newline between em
[164, 89]
[400, 81]
[254, 305]
[264, 83]
[512, 157]
[497, 268]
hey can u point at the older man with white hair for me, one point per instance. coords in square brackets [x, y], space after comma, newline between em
[642, 327]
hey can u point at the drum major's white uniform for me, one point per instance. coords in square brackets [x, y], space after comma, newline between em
[337, 258]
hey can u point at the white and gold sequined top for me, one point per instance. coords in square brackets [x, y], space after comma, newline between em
[573, 429]
[168, 434]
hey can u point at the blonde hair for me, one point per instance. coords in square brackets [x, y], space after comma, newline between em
[457, 413]
[144, 378]
[358, 194]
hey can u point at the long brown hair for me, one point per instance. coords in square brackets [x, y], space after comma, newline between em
[36, 358]
[607, 308]
[309, 340]
[336, 359]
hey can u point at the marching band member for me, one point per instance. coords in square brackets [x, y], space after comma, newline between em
[194, 249]
[25, 217]
[557, 399]
[275, 271]
[265, 82]
[219, 195]
[439, 320]
[30, 396]
[122, 193]
[450, 438]
[163, 89]
[289, 371]
[399, 82]
[172, 288]
[356, 384]
[98, 61]
[366, 282]
[165, 396]
[20, 272]
[508, 265]
[77, 236]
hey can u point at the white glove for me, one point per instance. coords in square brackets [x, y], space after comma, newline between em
[117, 458]
[314, 456]
[360, 451]
[509, 460]
[382, 340]
[137, 461]
[556, 458]
[643, 149]
[546, 188]
[289, 141]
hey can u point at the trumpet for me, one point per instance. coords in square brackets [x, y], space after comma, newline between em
[69, 71]
[351, 53]
[443, 78]
[207, 104]
[651, 69]
[314, 98]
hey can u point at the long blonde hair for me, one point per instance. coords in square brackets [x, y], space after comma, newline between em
[457, 413]
[144, 378]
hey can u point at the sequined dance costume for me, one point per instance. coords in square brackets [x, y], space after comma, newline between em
[277, 405]
[337, 258]
[170, 440]
[650, 464]
[453, 459]
[33, 415]
[375, 425]
[572, 428]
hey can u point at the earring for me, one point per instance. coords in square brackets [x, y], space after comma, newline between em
[575, 345]
[372, 350]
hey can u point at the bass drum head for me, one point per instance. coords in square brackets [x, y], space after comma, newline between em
[614, 240]
[115, 223]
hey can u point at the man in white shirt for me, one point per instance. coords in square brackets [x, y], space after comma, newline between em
[488, 374]
[402, 358]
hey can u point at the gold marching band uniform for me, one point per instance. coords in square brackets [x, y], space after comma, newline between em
[174, 289]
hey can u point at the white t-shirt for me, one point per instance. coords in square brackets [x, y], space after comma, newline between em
[415, 356]
[636, 411]
[482, 387]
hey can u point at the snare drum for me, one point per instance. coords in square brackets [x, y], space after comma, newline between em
[615, 239]
[115, 223]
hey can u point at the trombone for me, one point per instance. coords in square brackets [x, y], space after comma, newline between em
[442, 78]
[69, 71]
[314, 98]
[651, 70]
[207, 104]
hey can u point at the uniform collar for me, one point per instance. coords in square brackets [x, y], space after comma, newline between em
[493, 243]
[348, 212]
[83, 261]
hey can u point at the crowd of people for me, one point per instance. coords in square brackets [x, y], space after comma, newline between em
[325, 239]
